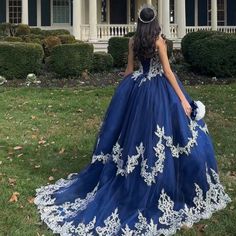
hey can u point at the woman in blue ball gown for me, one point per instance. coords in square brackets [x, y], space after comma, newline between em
[153, 168]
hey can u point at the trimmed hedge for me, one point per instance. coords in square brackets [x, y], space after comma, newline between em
[55, 32]
[49, 43]
[102, 61]
[118, 47]
[214, 56]
[17, 60]
[13, 39]
[66, 38]
[22, 29]
[71, 59]
[190, 38]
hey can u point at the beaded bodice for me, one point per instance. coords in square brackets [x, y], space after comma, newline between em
[149, 68]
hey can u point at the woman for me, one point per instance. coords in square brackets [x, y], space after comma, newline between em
[153, 168]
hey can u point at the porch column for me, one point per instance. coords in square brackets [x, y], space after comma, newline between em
[160, 12]
[214, 14]
[196, 12]
[25, 13]
[149, 2]
[77, 9]
[39, 13]
[93, 20]
[181, 18]
[166, 18]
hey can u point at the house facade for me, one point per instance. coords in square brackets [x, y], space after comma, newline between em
[98, 20]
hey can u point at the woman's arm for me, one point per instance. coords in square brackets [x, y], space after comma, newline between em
[130, 65]
[161, 45]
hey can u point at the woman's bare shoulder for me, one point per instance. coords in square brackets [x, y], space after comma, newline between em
[160, 42]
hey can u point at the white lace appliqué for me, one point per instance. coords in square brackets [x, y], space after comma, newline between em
[155, 69]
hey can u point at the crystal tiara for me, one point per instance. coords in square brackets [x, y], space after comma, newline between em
[150, 7]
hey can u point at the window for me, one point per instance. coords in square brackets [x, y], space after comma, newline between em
[172, 11]
[132, 11]
[61, 11]
[15, 11]
[221, 12]
[104, 11]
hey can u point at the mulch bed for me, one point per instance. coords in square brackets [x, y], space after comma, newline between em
[49, 80]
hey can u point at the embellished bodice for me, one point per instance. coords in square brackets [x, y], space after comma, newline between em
[149, 68]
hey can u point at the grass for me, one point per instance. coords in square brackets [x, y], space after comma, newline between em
[46, 134]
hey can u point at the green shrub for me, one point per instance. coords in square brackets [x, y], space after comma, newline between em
[71, 59]
[57, 32]
[66, 38]
[17, 60]
[13, 39]
[49, 43]
[214, 56]
[102, 61]
[36, 31]
[118, 48]
[130, 34]
[169, 44]
[190, 38]
[22, 29]
[5, 29]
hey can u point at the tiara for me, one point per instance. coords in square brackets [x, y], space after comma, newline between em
[147, 6]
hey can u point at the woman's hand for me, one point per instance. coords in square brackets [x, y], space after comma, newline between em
[187, 107]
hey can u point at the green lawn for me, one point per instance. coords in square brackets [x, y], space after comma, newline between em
[49, 133]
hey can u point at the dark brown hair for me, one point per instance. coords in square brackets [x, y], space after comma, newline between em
[146, 34]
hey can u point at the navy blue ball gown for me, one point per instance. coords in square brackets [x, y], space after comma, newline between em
[152, 170]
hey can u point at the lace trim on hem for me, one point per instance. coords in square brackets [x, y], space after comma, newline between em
[215, 199]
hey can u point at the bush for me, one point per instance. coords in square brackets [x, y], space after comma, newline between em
[190, 38]
[13, 39]
[130, 34]
[118, 47]
[22, 29]
[214, 56]
[17, 60]
[5, 29]
[57, 32]
[67, 39]
[36, 31]
[102, 61]
[71, 59]
[49, 43]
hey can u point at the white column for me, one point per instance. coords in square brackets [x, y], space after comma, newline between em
[38, 13]
[196, 12]
[25, 13]
[77, 18]
[181, 18]
[166, 18]
[160, 12]
[149, 2]
[93, 20]
[214, 14]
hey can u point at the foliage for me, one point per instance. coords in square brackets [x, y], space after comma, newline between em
[18, 59]
[13, 39]
[49, 43]
[214, 56]
[190, 38]
[118, 48]
[102, 61]
[22, 29]
[71, 59]
[67, 39]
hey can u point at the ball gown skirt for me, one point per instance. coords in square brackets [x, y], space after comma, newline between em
[152, 170]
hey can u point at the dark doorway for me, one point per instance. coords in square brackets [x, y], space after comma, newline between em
[118, 11]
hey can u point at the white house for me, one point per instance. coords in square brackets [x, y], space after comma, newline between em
[98, 20]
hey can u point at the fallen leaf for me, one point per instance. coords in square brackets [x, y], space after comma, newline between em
[20, 155]
[50, 178]
[14, 197]
[33, 117]
[30, 200]
[18, 148]
[41, 141]
[12, 181]
[37, 166]
[62, 151]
